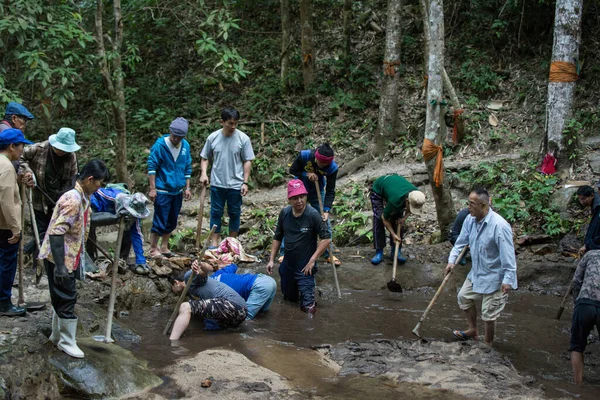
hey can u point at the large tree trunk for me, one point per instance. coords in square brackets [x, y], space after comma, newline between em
[285, 43]
[434, 130]
[308, 56]
[561, 85]
[113, 82]
[347, 29]
[388, 103]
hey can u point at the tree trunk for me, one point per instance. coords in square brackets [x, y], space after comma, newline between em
[113, 82]
[347, 29]
[308, 56]
[285, 43]
[567, 36]
[388, 103]
[434, 130]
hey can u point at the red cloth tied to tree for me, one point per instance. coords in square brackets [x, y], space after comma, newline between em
[548, 166]
[431, 150]
[457, 115]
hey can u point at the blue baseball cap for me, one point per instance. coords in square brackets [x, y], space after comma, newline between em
[12, 135]
[13, 108]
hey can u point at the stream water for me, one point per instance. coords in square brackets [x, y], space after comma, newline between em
[281, 340]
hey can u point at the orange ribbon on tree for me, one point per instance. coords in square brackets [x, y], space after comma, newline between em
[561, 71]
[431, 150]
[457, 116]
[308, 58]
[389, 67]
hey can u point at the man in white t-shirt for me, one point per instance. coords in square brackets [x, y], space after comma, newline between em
[231, 153]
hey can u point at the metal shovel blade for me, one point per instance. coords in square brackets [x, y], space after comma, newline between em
[394, 286]
[102, 338]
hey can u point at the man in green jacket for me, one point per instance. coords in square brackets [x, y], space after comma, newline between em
[393, 199]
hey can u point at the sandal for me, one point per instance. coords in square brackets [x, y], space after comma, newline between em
[168, 254]
[336, 261]
[460, 335]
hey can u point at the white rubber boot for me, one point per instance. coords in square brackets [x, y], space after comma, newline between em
[55, 335]
[68, 332]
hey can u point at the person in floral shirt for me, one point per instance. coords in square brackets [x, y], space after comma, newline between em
[63, 254]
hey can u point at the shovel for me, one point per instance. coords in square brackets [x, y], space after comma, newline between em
[39, 271]
[187, 285]
[564, 300]
[392, 285]
[113, 287]
[337, 283]
[437, 294]
[200, 216]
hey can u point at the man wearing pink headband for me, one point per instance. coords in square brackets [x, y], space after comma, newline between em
[301, 226]
[318, 166]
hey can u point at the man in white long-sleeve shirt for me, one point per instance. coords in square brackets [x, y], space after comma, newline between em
[494, 268]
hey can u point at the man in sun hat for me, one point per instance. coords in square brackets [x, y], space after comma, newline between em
[301, 226]
[15, 116]
[107, 205]
[169, 173]
[11, 147]
[393, 199]
[49, 168]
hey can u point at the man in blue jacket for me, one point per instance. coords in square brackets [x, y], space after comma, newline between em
[318, 166]
[258, 290]
[169, 173]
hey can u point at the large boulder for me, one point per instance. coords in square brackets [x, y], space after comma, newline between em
[107, 371]
[560, 199]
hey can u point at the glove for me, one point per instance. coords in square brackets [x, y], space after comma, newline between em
[57, 246]
[103, 219]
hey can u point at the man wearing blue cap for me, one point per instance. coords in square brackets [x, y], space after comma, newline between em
[15, 116]
[11, 148]
[169, 173]
[49, 167]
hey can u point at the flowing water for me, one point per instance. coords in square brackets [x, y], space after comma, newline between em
[282, 340]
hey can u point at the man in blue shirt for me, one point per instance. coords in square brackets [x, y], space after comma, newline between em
[494, 268]
[169, 172]
[317, 166]
[258, 290]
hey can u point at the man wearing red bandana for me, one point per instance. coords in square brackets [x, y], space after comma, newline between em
[318, 166]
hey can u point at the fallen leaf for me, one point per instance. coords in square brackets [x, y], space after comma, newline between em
[493, 120]
[494, 105]
[206, 383]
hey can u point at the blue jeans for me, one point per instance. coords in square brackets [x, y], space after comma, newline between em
[314, 202]
[261, 295]
[218, 198]
[166, 212]
[8, 264]
[297, 286]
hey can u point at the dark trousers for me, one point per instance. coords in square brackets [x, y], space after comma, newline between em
[378, 226]
[297, 286]
[63, 297]
[42, 220]
[218, 198]
[92, 250]
[8, 264]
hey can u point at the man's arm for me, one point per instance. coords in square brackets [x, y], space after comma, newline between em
[203, 169]
[579, 275]
[274, 250]
[297, 168]
[388, 225]
[247, 169]
[507, 256]
[330, 191]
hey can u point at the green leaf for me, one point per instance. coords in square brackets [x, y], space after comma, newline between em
[63, 102]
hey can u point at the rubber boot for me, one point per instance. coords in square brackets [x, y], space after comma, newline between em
[55, 335]
[68, 332]
[378, 258]
[8, 309]
[401, 260]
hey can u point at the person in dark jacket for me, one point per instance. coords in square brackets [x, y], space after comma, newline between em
[169, 173]
[318, 166]
[588, 198]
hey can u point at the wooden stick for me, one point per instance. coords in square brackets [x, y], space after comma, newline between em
[113, 286]
[200, 215]
[187, 286]
[337, 283]
[564, 301]
[437, 294]
[21, 244]
[36, 236]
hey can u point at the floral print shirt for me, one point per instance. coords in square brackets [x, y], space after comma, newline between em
[70, 218]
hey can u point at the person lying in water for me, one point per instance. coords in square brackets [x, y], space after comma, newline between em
[218, 304]
[258, 290]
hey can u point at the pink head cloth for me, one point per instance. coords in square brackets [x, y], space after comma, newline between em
[324, 159]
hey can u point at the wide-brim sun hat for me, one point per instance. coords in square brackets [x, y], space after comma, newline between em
[64, 140]
[135, 204]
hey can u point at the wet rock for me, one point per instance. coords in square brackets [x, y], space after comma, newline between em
[226, 370]
[138, 292]
[594, 160]
[592, 142]
[106, 371]
[543, 249]
[469, 369]
[162, 270]
[179, 262]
